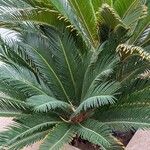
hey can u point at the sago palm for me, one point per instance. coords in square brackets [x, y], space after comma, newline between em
[76, 69]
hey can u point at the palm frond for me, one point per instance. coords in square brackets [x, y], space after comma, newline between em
[19, 83]
[46, 69]
[43, 103]
[103, 94]
[67, 58]
[126, 50]
[60, 135]
[9, 37]
[15, 56]
[27, 130]
[131, 111]
[99, 69]
[14, 14]
[131, 12]
[109, 17]
[97, 133]
[89, 24]
[7, 103]
[141, 27]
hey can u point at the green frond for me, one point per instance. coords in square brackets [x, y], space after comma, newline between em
[100, 68]
[124, 7]
[131, 12]
[140, 31]
[87, 18]
[108, 17]
[126, 50]
[15, 56]
[33, 119]
[68, 58]
[15, 131]
[134, 85]
[68, 15]
[97, 133]
[13, 14]
[60, 135]
[27, 130]
[9, 37]
[19, 83]
[46, 69]
[7, 103]
[43, 103]
[129, 112]
[103, 94]
[10, 113]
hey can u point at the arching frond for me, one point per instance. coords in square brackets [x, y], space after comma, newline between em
[67, 59]
[27, 131]
[126, 50]
[97, 133]
[141, 27]
[42, 103]
[87, 23]
[99, 69]
[109, 17]
[134, 110]
[7, 103]
[19, 83]
[59, 136]
[103, 94]
[131, 12]
[9, 37]
[14, 14]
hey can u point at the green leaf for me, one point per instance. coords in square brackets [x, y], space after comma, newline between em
[46, 69]
[10, 113]
[102, 95]
[97, 133]
[7, 103]
[141, 27]
[129, 112]
[101, 66]
[124, 7]
[60, 135]
[67, 58]
[27, 130]
[43, 103]
[131, 12]
[13, 14]
[19, 82]
[87, 18]
[109, 17]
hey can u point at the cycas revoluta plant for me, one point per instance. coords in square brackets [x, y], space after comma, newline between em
[80, 68]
